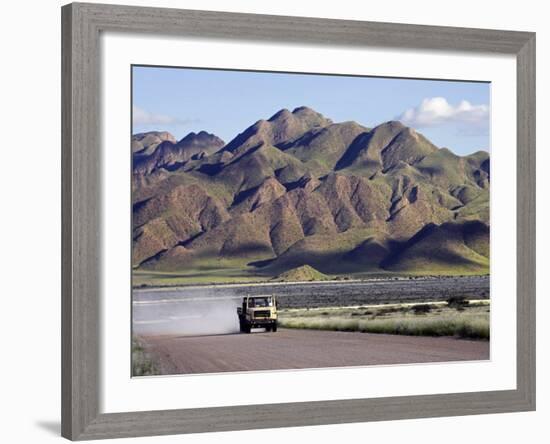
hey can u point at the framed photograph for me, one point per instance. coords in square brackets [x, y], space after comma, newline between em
[278, 221]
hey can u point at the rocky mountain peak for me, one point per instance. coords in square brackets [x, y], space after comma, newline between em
[297, 189]
[281, 114]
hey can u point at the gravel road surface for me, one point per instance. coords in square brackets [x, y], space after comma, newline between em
[296, 349]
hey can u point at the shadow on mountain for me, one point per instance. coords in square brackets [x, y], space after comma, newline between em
[211, 169]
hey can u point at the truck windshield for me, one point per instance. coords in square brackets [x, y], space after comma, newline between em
[260, 302]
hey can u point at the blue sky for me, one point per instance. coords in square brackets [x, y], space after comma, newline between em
[180, 100]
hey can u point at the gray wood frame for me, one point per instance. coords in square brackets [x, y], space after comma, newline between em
[81, 164]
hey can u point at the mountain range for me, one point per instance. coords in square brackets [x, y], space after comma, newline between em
[300, 190]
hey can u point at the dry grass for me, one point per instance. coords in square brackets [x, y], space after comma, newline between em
[437, 320]
[142, 363]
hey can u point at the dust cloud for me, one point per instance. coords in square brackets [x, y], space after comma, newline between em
[195, 316]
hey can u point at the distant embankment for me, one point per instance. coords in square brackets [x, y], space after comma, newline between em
[325, 294]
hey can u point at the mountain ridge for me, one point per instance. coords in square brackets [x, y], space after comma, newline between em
[298, 187]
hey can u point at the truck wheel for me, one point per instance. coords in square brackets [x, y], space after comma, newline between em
[274, 327]
[268, 328]
[247, 328]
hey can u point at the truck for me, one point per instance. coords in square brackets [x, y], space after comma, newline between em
[258, 312]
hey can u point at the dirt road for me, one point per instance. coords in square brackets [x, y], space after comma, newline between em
[294, 349]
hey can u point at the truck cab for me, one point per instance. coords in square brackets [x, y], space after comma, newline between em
[258, 312]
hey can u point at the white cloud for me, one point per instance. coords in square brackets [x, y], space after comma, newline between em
[143, 117]
[437, 111]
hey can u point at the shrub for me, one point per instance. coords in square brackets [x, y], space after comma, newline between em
[421, 309]
[142, 364]
[457, 302]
